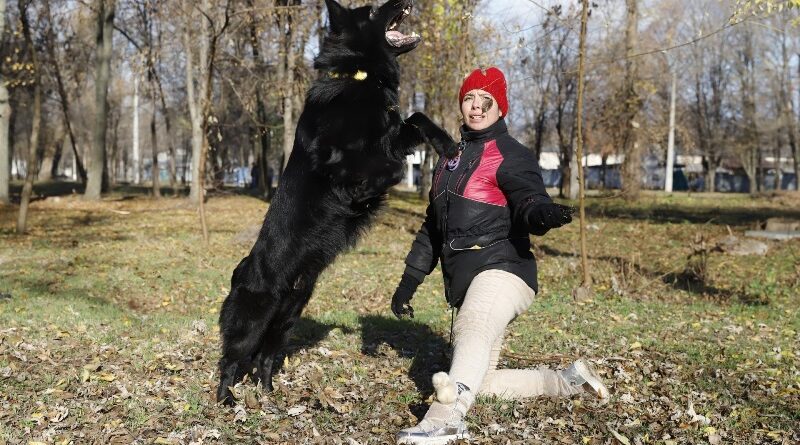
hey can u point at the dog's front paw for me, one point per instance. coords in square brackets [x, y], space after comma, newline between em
[225, 396]
[443, 145]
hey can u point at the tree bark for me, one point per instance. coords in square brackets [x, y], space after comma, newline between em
[5, 165]
[50, 155]
[136, 158]
[114, 164]
[5, 118]
[632, 167]
[173, 181]
[105, 27]
[154, 170]
[788, 104]
[30, 168]
[262, 140]
[200, 101]
[748, 150]
[288, 60]
[587, 279]
[63, 98]
[197, 107]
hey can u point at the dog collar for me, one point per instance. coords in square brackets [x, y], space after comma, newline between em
[358, 75]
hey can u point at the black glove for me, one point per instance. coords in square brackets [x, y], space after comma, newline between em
[545, 216]
[402, 296]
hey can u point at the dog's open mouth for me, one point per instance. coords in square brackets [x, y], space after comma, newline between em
[397, 38]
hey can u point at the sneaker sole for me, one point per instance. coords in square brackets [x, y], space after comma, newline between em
[442, 440]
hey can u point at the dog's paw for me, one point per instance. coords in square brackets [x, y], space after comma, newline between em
[225, 397]
[443, 144]
[446, 391]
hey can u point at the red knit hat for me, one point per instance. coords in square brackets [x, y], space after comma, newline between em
[490, 80]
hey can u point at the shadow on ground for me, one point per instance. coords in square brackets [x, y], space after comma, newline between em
[46, 189]
[677, 214]
[429, 351]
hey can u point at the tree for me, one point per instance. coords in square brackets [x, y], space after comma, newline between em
[747, 148]
[5, 117]
[55, 65]
[587, 279]
[33, 146]
[104, 37]
[199, 85]
[632, 167]
[785, 95]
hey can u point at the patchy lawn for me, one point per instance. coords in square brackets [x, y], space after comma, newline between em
[108, 330]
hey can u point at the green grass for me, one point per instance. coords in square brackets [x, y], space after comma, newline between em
[113, 309]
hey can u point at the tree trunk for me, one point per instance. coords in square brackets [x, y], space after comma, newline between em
[155, 171]
[49, 163]
[288, 89]
[262, 140]
[105, 28]
[539, 122]
[78, 167]
[788, 105]
[114, 164]
[136, 161]
[749, 153]
[30, 168]
[632, 167]
[5, 118]
[170, 145]
[426, 171]
[57, 156]
[587, 279]
[196, 107]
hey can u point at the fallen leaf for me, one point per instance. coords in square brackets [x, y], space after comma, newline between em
[622, 439]
[296, 410]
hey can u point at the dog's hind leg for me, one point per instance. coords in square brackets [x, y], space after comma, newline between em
[271, 345]
[277, 334]
[228, 369]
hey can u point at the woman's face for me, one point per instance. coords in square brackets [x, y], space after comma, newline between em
[479, 110]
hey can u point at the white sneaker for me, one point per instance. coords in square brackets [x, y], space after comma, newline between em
[433, 432]
[444, 421]
[581, 374]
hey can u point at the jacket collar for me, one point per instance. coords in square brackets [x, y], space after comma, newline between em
[497, 129]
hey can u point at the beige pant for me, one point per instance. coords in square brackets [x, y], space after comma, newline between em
[494, 299]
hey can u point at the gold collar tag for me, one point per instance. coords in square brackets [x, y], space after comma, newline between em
[359, 75]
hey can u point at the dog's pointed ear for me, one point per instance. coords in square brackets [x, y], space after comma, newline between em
[336, 15]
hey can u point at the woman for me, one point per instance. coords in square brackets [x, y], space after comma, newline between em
[484, 202]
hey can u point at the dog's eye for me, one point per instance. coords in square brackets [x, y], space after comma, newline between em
[372, 13]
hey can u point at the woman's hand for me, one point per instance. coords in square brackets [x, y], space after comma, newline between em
[545, 216]
[402, 296]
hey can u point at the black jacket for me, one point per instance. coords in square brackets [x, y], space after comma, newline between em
[477, 218]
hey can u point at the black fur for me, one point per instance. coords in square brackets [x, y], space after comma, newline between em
[348, 150]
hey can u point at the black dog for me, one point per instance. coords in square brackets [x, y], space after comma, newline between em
[348, 150]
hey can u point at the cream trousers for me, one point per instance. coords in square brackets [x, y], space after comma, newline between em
[494, 299]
